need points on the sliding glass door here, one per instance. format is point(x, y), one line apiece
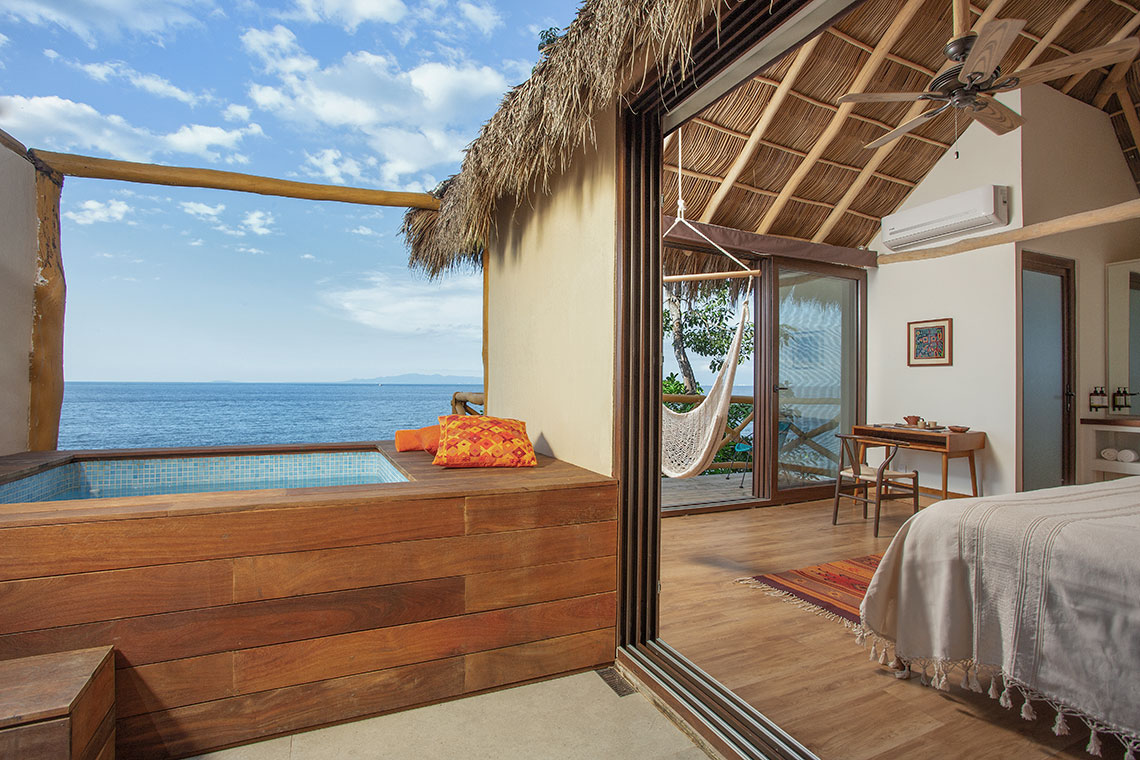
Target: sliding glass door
point(815, 376)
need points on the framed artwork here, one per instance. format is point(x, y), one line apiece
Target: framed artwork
point(930, 343)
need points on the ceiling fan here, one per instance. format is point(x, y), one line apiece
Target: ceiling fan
point(976, 74)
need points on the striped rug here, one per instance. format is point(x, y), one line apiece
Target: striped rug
point(833, 589)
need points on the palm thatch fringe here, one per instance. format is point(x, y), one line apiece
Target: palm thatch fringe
point(545, 120)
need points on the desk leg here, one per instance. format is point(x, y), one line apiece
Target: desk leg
point(973, 475)
point(945, 476)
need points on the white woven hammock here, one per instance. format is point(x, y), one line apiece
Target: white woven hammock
point(690, 440)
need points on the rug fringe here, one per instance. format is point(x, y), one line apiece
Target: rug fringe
point(792, 599)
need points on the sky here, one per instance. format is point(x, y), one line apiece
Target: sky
point(184, 284)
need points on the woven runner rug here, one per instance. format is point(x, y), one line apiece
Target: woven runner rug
point(833, 589)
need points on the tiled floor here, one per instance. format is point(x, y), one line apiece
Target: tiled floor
point(573, 718)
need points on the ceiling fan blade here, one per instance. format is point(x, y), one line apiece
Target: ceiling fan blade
point(993, 42)
point(909, 126)
point(996, 117)
point(880, 97)
point(1078, 63)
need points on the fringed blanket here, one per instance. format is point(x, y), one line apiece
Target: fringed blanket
point(1037, 593)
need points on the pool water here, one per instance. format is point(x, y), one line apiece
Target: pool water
point(108, 478)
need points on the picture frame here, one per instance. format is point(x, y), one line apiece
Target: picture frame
point(930, 343)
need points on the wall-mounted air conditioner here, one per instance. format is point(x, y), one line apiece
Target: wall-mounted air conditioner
point(973, 210)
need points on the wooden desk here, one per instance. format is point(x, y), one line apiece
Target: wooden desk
point(949, 445)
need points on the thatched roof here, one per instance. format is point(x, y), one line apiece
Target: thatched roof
point(794, 183)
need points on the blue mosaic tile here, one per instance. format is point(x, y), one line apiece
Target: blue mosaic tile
point(106, 478)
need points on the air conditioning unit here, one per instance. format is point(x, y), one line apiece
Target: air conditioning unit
point(973, 210)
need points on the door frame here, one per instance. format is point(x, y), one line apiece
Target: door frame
point(1066, 269)
point(730, 725)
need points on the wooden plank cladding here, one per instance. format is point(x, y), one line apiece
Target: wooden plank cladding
point(241, 616)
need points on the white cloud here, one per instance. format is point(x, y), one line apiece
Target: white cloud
point(91, 212)
point(413, 119)
point(151, 83)
point(196, 243)
point(60, 123)
point(203, 210)
point(333, 166)
point(258, 222)
point(362, 230)
point(235, 112)
point(452, 307)
point(3, 40)
point(88, 18)
point(308, 257)
point(240, 159)
point(50, 54)
point(350, 13)
point(253, 251)
point(482, 15)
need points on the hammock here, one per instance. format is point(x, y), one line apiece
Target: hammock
point(690, 440)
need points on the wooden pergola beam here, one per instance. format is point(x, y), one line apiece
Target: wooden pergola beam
point(154, 174)
point(1120, 212)
point(862, 79)
point(881, 153)
point(748, 150)
point(1123, 32)
point(49, 292)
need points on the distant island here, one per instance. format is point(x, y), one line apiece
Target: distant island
point(417, 379)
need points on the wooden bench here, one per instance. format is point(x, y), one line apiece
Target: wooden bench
point(58, 706)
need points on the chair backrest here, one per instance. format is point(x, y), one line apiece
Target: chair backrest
point(851, 451)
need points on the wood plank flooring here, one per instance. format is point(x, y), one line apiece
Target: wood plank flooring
point(806, 672)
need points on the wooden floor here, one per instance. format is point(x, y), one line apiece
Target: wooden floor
point(804, 671)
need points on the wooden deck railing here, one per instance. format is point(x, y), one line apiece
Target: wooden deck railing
point(461, 402)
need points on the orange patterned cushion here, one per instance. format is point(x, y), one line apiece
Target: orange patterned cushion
point(421, 439)
point(480, 441)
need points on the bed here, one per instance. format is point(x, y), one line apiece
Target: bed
point(1033, 597)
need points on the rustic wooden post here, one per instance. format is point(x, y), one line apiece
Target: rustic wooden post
point(45, 366)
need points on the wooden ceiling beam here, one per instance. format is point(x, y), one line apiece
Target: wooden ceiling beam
point(1123, 32)
point(866, 74)
point(796, 152)
point(767, 116)
point(881, 153)
point(866, 48)
point(1067, 15)
point(1129, 113)
point(761, 191)
point(1110, 84)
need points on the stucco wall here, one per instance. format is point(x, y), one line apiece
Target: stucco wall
point(977, 290)
point(550, 312)
point(1072, 162)
point(17, 273)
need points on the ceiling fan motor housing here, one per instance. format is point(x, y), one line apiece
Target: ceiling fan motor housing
point(958, 49)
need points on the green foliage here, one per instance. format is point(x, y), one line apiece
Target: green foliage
point(709, 325)
point(548, 37)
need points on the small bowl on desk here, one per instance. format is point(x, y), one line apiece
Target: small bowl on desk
point(958, 428)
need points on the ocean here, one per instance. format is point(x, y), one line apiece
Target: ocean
point(157, 415)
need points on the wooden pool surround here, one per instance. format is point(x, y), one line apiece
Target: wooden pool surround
point(242, 615)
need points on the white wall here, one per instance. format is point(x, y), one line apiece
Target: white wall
point(1072, 162)
point(976, 290)
point(17, 274)
point(550, 312)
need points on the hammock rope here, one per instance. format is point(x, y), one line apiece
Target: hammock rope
point(690, 440)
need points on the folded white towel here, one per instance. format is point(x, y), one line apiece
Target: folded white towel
point(1109, 454)
point(1126, 455)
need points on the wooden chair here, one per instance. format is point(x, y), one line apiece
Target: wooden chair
point(863, 476)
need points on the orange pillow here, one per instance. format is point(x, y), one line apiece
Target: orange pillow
point(422, 439)
point(481, 441)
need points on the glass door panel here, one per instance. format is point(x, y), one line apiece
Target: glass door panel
point(817, 374)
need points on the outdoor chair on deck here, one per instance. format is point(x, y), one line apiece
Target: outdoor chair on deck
point(888, 483)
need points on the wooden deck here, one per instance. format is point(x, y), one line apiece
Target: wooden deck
point(705, 489)
point(805, 671)
point(249, 614)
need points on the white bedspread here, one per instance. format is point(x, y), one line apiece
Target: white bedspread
point(1040, 587)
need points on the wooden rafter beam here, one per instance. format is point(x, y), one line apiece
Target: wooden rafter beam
point(1129, 113)
point(759, 190)
point(1067, 15)
point(1121, 212)
point(154, 174)
point(866, 48)
point(880, 154)
point(1121, 33)
point(862, 79)
point(748, 150)
point(1111, 83)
